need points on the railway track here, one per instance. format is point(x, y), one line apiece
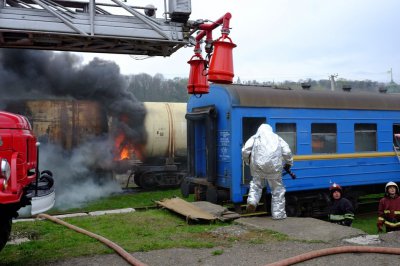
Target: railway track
point(365, 207)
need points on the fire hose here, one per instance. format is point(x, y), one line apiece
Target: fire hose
point(335, 250)
point(124, 254)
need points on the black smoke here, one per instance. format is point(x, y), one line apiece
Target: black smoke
point(32, 74)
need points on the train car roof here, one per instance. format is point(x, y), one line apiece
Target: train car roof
point(267, 96)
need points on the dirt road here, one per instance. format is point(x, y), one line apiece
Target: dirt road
point(239, 253)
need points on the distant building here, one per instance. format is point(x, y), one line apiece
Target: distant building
point(392, 87)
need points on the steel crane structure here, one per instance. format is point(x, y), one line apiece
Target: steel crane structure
point(90, 26)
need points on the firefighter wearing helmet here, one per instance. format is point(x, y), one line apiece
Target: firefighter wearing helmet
point(389, 209)
point(341, 210)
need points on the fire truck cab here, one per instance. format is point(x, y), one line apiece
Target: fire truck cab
point(21, 183)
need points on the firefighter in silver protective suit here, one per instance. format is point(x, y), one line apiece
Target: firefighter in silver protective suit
point(267, 154)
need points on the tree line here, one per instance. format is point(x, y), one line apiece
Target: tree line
point(157, 88)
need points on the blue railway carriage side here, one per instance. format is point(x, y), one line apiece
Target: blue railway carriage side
point(341, 137)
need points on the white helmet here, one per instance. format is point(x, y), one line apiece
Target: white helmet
point(391, 183)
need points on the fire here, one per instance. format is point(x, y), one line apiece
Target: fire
point(125, 150)
point(124, 153)
point(122, 150)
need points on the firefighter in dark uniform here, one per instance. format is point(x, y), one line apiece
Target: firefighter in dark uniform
point(389, 209)
point(341, 211)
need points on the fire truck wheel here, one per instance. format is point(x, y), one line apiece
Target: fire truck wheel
point(46, 182)
point(48, 172)
point(5, 229)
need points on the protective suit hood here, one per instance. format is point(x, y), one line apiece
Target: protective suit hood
point(267, 137)
point(266, 155)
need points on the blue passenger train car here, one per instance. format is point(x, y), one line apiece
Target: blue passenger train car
point(342, 137)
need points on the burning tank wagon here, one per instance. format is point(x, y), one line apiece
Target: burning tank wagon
point(63, 121)
point(159, 161)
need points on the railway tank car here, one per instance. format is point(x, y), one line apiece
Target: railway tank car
point(341, 137)
point(68, 122)
point(65, 122)
point(163, 162)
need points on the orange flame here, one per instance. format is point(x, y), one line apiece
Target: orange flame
point(121, 151)
point(124, 153)
point(127, 151)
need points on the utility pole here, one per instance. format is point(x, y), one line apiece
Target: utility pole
point(333, 83)
point(391, 75)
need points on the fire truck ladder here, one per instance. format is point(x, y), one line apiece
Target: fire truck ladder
point(67, 25)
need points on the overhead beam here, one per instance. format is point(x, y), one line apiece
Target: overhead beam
point(63, 25)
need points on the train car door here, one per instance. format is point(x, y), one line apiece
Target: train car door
point(249, 128)
point(201, 124)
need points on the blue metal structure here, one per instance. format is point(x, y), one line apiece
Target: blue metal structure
point(341, 137)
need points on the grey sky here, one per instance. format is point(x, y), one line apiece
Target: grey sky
point(292, 40)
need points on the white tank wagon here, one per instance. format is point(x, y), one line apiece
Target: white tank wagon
point(157, 163)
point(163, 162)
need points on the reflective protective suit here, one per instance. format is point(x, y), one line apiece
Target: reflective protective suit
point(341, 212)
point(389, 213)
point(267, 153)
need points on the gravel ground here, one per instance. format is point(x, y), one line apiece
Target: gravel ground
point(248, 254)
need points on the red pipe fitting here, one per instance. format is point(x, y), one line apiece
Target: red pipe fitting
point(207, 28)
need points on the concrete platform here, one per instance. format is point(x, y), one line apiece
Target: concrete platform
point(308, 229)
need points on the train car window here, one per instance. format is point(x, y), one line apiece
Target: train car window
point(288, 132)
point(396, 131)
point(250, 126)
point(323, 138)
point(365, 137)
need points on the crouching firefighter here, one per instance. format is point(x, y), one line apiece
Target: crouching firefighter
point(341, 210)
point(389, 209)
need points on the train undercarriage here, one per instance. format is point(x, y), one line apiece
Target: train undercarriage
point(157, 177)
point(298, 204)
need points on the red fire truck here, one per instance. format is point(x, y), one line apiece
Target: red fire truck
point(21, 183)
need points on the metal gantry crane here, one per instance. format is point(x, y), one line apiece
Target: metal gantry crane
point(90, 26)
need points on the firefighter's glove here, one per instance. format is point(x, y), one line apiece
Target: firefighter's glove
point(380, 227)
point(292, 175)
point(287, 169)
